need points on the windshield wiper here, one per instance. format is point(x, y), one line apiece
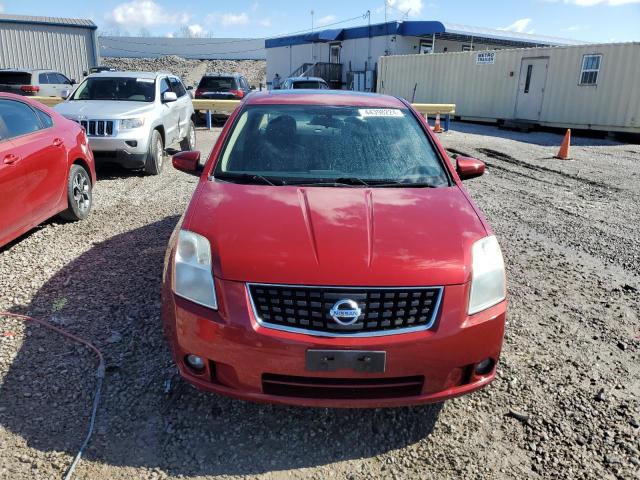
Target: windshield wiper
point(402, 183)
point(331, 182)
point(246, 178)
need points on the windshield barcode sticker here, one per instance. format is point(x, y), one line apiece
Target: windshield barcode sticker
point(380, 112)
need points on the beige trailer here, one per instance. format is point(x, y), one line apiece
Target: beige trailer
point(585, 87)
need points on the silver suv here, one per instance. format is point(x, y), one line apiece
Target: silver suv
point(131, 117)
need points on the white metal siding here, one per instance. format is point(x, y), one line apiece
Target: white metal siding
point(490, 91)
point(69, 50)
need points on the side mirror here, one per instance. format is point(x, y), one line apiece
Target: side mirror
point(469, 167)
point(253, 87)
point(188, 162)
point(190, 87)
point(85, 73)
point(168, 97)
point(65, 94)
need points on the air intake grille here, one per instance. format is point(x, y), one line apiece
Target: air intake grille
point(384, 311)
point(97, 128)
point(341, 388)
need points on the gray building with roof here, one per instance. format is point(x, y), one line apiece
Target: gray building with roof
point(66, 45)
point(348, 57)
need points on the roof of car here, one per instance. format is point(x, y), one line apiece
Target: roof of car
point(152, 75)
point(27, 70)
point(323, 97)
point(306, 79)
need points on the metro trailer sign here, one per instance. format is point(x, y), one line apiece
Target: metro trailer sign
point(485, 58)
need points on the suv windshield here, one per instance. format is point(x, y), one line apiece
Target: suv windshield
point(218, 84)
point(128, 89)
point(327, 145)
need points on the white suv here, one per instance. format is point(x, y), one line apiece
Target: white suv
point(131, 117)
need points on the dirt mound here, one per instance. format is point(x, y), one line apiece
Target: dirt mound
point(192, 70)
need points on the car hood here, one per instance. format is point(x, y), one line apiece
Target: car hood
point(102, 109)
point(336, 236)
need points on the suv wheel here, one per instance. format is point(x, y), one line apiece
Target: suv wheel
point(189, 142)
point(155, 155)
point(79, 195)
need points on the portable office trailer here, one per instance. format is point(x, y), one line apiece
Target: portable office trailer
point(66, 45)
point(357, 49)
point(586, 86)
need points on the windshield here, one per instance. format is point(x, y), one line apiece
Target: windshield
point(218, 84)
point(127, 89)
point(326, 145)
point(308, 84)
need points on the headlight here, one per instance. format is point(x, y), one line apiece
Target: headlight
point(488, 285)
point(129, 123)
point(193, 277)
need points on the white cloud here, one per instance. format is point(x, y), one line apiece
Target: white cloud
point(326, 20)
point(195, 30)
point(144, 13)
point(1, 8)
point(234, 19)
point(412, 7)
point(265, 22)
point(518, 26)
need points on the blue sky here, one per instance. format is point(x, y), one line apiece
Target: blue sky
point(590, 20)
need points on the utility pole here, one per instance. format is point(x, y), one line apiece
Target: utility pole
point(313, 59)
point(369, 35)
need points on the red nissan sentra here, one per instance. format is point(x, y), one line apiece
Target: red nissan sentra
point(331, 257)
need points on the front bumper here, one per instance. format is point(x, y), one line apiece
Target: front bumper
point(119, 150)
point(242, 354)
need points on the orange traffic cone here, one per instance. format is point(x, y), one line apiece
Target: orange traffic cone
point(436, 127)
point(563, 153)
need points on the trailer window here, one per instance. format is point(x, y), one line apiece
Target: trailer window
point(590, 69)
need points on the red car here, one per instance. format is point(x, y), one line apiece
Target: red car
point(46, 167)
point(330, 256)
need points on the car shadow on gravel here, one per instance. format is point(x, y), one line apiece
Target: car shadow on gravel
point(111, 171)
point(147, 417)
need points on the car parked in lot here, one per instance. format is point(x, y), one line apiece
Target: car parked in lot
point(222, 86)
point(314, 83)
point(46, 167)
point(131, 117)
point(330, 256)
point(44, 83)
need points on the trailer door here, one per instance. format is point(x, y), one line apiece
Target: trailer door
point(533, 78)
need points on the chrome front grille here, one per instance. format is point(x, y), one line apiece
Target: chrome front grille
point(307, 309)
point(98, 128)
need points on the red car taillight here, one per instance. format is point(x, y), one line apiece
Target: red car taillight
point(237, 93)
point(30, 88)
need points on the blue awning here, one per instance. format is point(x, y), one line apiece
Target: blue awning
point(420, 29)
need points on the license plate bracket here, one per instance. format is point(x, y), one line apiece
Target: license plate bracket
point(363, 361)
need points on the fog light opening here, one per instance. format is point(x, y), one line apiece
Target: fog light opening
point(195, 363)
point(132, 143)
point(484, 367)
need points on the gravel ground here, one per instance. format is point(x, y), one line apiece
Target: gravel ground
point(565, 403)
point(191, 71)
